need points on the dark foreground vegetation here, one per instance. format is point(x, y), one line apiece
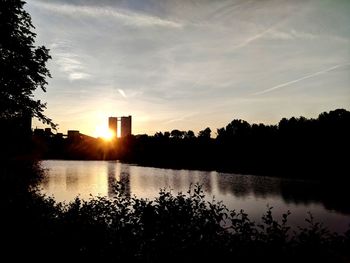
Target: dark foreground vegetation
point(295, 147)
point(173, 227)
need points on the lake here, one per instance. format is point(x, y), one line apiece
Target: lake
point(66, 180)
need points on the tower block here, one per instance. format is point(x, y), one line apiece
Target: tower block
point(124, 122)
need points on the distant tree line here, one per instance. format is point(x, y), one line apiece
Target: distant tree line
point(297, 147)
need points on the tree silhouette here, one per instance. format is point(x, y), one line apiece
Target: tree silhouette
point(234, 128)
point(22, 64)
point(176, 134)
point(189, 135)
point(204, 134)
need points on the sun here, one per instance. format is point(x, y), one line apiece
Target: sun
point(104, 133)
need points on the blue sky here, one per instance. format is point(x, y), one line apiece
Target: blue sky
point(192, 64)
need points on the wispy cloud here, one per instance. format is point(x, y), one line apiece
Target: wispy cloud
point(182, 118)
point(78, 75)
point(289, 34)
point(69, 63)
point(127, 17)
point(301, 79)
point(253, 38)
point(121, 92)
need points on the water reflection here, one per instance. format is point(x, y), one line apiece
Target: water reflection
point(67, 179)
point(118, 173)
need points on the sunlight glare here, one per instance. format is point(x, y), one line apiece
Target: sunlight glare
point(104, 133)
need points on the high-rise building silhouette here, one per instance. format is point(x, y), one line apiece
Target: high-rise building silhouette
point(113, 124)
point(125, 125)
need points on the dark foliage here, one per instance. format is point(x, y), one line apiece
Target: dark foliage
point(22, 64)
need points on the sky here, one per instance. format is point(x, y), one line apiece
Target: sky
point(188, 65)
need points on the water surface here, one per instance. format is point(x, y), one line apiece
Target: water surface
point(66, 180)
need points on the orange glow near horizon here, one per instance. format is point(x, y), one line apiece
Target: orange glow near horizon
point(104, 133)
